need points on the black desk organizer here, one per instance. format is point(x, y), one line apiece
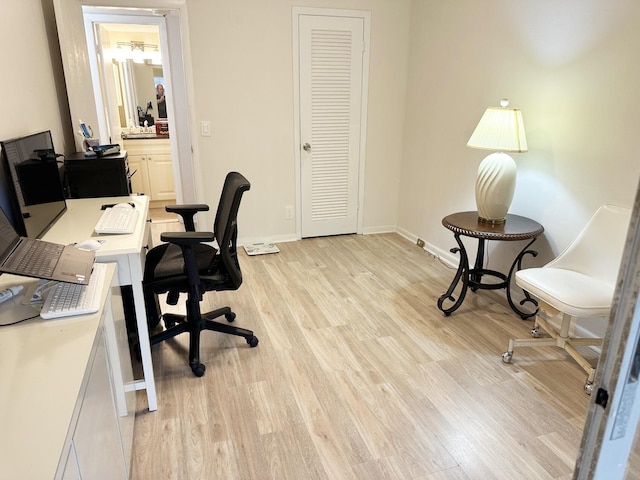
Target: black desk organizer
point(90, 177)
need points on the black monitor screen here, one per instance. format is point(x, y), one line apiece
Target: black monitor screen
point(33, 174)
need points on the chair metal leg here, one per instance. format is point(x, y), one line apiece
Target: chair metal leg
point(557, 338)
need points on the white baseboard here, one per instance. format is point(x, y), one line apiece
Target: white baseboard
point(380, 229)
point(274, 239)
point(448, 258)
point(406, 234)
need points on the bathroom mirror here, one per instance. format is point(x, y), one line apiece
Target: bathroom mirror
point(135, 56)
point(141, 90)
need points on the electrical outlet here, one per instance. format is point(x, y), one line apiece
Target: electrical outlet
point(420, 243)
point(288, 212)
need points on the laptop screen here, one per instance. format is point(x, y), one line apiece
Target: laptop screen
point(35, 178)
point(8, 236)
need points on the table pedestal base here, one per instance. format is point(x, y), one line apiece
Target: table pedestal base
point(472, 278)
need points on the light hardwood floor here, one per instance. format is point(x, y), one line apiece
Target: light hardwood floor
point(358, 375)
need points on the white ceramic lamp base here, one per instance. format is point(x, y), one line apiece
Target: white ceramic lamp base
point(495, 186)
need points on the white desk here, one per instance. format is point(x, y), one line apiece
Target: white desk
point(64, 406)
point(128, 251)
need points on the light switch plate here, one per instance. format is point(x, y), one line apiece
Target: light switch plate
point(205, 128)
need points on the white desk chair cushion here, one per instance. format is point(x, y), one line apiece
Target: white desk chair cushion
point(568, 291)
point(580, 282)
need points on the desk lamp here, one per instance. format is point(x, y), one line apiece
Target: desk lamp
point(499, 129)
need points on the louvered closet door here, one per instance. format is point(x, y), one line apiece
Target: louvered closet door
point(330, 104)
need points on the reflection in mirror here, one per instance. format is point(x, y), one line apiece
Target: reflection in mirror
point(144, 82)
point(135, 55)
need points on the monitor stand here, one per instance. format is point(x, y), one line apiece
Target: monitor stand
point(18, 308)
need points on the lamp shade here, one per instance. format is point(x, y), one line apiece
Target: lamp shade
point(500, 129)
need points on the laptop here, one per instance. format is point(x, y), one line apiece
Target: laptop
point(40, 259)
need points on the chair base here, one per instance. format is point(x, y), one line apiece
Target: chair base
point(557, 338)
point(178, 324)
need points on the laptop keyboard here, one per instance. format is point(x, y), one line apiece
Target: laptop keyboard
point(117, 220)
point(67, 299)
point(36, 258)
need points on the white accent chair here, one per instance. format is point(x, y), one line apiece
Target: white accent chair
point(580, 282)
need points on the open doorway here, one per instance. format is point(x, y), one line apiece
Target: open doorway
point(135, 91)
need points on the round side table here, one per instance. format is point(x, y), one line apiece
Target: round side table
point(468, 224)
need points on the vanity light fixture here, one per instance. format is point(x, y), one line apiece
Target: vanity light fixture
point(137, 51)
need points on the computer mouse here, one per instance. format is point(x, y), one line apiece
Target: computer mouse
point(89, 244)
point(123, 205)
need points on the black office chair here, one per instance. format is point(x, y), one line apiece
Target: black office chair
point(186, 264)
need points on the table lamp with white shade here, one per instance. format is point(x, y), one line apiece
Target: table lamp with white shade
point(499, 129)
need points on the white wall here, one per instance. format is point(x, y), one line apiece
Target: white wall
point(573, 69)
point(28, 90)
point(243, 79)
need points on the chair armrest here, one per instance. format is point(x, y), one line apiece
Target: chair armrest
point(187, 212)
point(187, 238)
point(186, 242)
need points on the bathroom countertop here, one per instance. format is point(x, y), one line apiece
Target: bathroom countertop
point(142, 136)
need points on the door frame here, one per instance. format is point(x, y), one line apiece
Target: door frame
point(81, 86)
point(329, 12)
point(614, 411)
point(99, 16)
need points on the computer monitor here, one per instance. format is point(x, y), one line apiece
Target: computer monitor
point(33, 179)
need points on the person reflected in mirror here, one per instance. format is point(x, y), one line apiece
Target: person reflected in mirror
point(160, 99)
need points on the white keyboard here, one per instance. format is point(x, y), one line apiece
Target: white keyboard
point(67, 299)
point(117, 220)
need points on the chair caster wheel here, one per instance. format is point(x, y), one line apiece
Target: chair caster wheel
point(230, 317)
point(588, 387)
point(535, 332)
point(507, 356)
point(198, 369)
point(252, 341)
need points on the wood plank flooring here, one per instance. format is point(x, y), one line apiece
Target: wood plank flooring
point(358, 375)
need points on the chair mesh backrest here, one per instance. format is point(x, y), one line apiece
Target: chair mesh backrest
point(225, 227)
point(597, 251)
